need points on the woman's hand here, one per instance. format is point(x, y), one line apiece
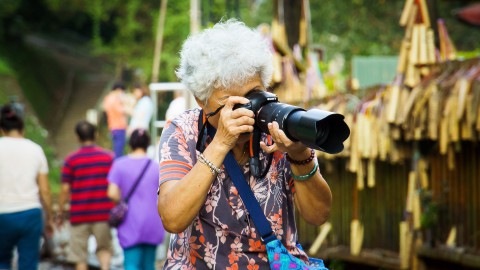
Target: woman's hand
point(284, 144)
point(232, 123)
point(312, 197)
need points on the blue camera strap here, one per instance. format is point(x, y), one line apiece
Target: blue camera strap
point(251, 203)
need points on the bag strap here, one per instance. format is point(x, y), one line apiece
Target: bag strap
point(251, 203)
point(138, 180)
point(236, 175)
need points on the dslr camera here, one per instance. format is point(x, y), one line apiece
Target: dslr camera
point(322, 130)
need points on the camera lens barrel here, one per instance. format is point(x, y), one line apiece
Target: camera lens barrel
point(322, 130)
point(278, 112)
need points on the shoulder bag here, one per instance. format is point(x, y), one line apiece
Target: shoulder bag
point(118, 213)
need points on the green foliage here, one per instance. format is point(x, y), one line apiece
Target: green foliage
point(337, 265)
point(361, 27)
point(29, 67)
point(35, 132)
point(8, 7)
point(4, 67)
point(469, 54)
point(357, 27)
point(124, 31)
point(430, 213)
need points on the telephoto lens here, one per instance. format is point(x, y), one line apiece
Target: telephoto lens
point(322, 130)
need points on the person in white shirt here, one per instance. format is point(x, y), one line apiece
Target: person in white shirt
point(23, 189)
point(143, 110)
point(177, 105)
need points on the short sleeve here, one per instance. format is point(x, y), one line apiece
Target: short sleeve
point(114, 174)
point(43, 163)
point(67, 172)
point(175, 158)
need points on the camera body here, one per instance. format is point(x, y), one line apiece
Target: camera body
point(318, 129)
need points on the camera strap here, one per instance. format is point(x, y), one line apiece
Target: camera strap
point(202, 127)
point(256, 168)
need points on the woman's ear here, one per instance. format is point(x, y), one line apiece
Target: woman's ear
point(200, 103)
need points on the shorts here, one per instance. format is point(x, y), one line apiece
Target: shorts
point(79, 240)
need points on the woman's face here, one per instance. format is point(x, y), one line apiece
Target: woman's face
point(138, 93)
point(220, 96)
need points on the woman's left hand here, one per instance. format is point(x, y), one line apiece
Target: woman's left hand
point(282, 142)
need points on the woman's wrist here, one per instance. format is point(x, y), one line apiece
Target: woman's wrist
point(306, 176)
point(213, 169)
point(301, 157)
point(219, 147)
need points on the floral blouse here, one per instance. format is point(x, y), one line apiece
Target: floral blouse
point(222, 235)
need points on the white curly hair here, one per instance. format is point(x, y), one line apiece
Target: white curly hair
point(228, 54)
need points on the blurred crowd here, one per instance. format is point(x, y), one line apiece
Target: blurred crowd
point(93, 181)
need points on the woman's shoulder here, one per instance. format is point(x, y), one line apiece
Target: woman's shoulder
point(145, 100)
point(128, 159)
point(187, 119)
point(31, 144)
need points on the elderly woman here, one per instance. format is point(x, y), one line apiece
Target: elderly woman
point(197, 200)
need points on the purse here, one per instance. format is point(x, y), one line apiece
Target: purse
point(278, 256)
point(118, 213)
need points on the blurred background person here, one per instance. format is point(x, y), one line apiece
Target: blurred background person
point(142, 111)
point(142, 229)
point(23, 189)
point(177, 105)
point(116, 109)
point(84, 180)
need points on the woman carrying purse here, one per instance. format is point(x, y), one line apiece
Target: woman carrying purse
point(141, 230)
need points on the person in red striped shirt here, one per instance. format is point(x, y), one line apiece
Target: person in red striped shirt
point(84, 180)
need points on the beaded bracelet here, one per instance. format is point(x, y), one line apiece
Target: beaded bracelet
point(213, 168)
point(306, 176)
point(301, 162)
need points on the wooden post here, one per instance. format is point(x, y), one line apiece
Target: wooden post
point(159, 41)
point(194, 16)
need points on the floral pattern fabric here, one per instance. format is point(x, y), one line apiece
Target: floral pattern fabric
point(222, 235)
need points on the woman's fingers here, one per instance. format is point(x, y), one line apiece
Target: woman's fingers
point(268, 148)
point(278, 135)
point(244, 120)
point(233, 123)
point(242, 112)
point(232, 100)
point(281, 140)
point(243, 124)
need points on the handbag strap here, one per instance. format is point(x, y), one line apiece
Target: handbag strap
point(138, 180)
point(251, 203)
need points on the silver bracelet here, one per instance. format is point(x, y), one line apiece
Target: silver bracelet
point(213, 168)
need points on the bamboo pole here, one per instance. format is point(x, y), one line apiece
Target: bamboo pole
point(194, 16)
point(159, 40)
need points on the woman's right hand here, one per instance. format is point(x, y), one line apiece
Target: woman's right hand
point(233, 123)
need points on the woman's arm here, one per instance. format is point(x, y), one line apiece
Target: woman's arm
point(313, 197)
point(179, 202)
point(114, 192)
point(63, 199)
point(45, 196)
